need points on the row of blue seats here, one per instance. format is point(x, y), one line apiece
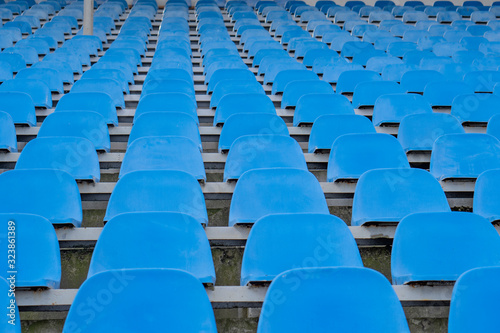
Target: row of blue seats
point(276, 243)
point(313, 302)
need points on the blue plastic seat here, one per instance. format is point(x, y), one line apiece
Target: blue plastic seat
point(90, 101)
point(395, 189)
point(50, 77)
point(464, 155)
point(155, 86)
point(391, 109)
point(473, 301)
point(38, 261)
point(83, 124)
point(261, 192)
point(73, 62)
point(348, 80)
point(108, 86)
point(333, 70)
point(399, 49)
point(394, 72)
point(377, 64)
point(184, 306)
point(475, 108)
point(235, 103)
point(165, 124)
point(8, 138)
point(482, 17)
point(40, 45)
point(180, 234)
point(167, 102)
point(251, 152)
point(280, 242)
point(367, 93)
point(106, 73)
point(494, 126)
point(442, 93)
point(286, 76)
point(482, 81)
point(327, 128)
point(418, 132)
point(241, 124)
point(362, 58)
point(52, 194)
point(325, 298)
point(442, 246)
point(74, 155)
point(416, 80)
point(15, 60)
point(19, 106)
point(296, 89)
point(486, 195)
point(353, 154)
point(63, 68)
point(226, 87)
point(311, 106)
point(352, 48)
point(37, 90)
point(164, 153)
point(158, 191)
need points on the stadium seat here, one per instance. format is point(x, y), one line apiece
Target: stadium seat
point(19, 106)
point(442, 93)
point(493, 127)
point(115, 74)
point(482, 81)
point(475, 108)
point(259, 151)
point(473, 301)
point(296, 89)
point(37, 90)
point(391, 109)
point(324, 299)
point(261, 192)
point(353, 154)
point(333, 70)
point(50, 77)
point(311, 106)
point(76, 156)
point(8, 138)
point(158, 191)
point(439, 247)
point(464, 155)
point(171, 236)
point(227, 87)
point(280, 242)
point(52, 194)
point(348, 80)
point(98, 102)
point(416, 80)
point(367, 93)
point(167, 102)
point(83, 124)
point(284, 77)
point(109, 86)
point(237, 103)
point(40, 45)
point(327, 128)
point(164, 153)
point(64, 69)
point(165, 124)
point(395, 189)
point(486, 195)
point(183, 306)
point(73, 62)
point(417, 132)
point(241, 124)
point(227, 74)
point(37, 254)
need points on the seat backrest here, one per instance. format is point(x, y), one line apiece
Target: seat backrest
point(250, 152)
point(325, 298)
point(383, 196)
point(89, 101)
point(184, 306)
point(280, 242)
point(442, 246)
point(74, 155)
point(164, 153)
point(242, 102)
point(464, 155)
point(393, 108)
point(158, 191)
point(38, 261)
point(262, 192)
point(353, 154)
point(184, 245)
point(52, 194)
